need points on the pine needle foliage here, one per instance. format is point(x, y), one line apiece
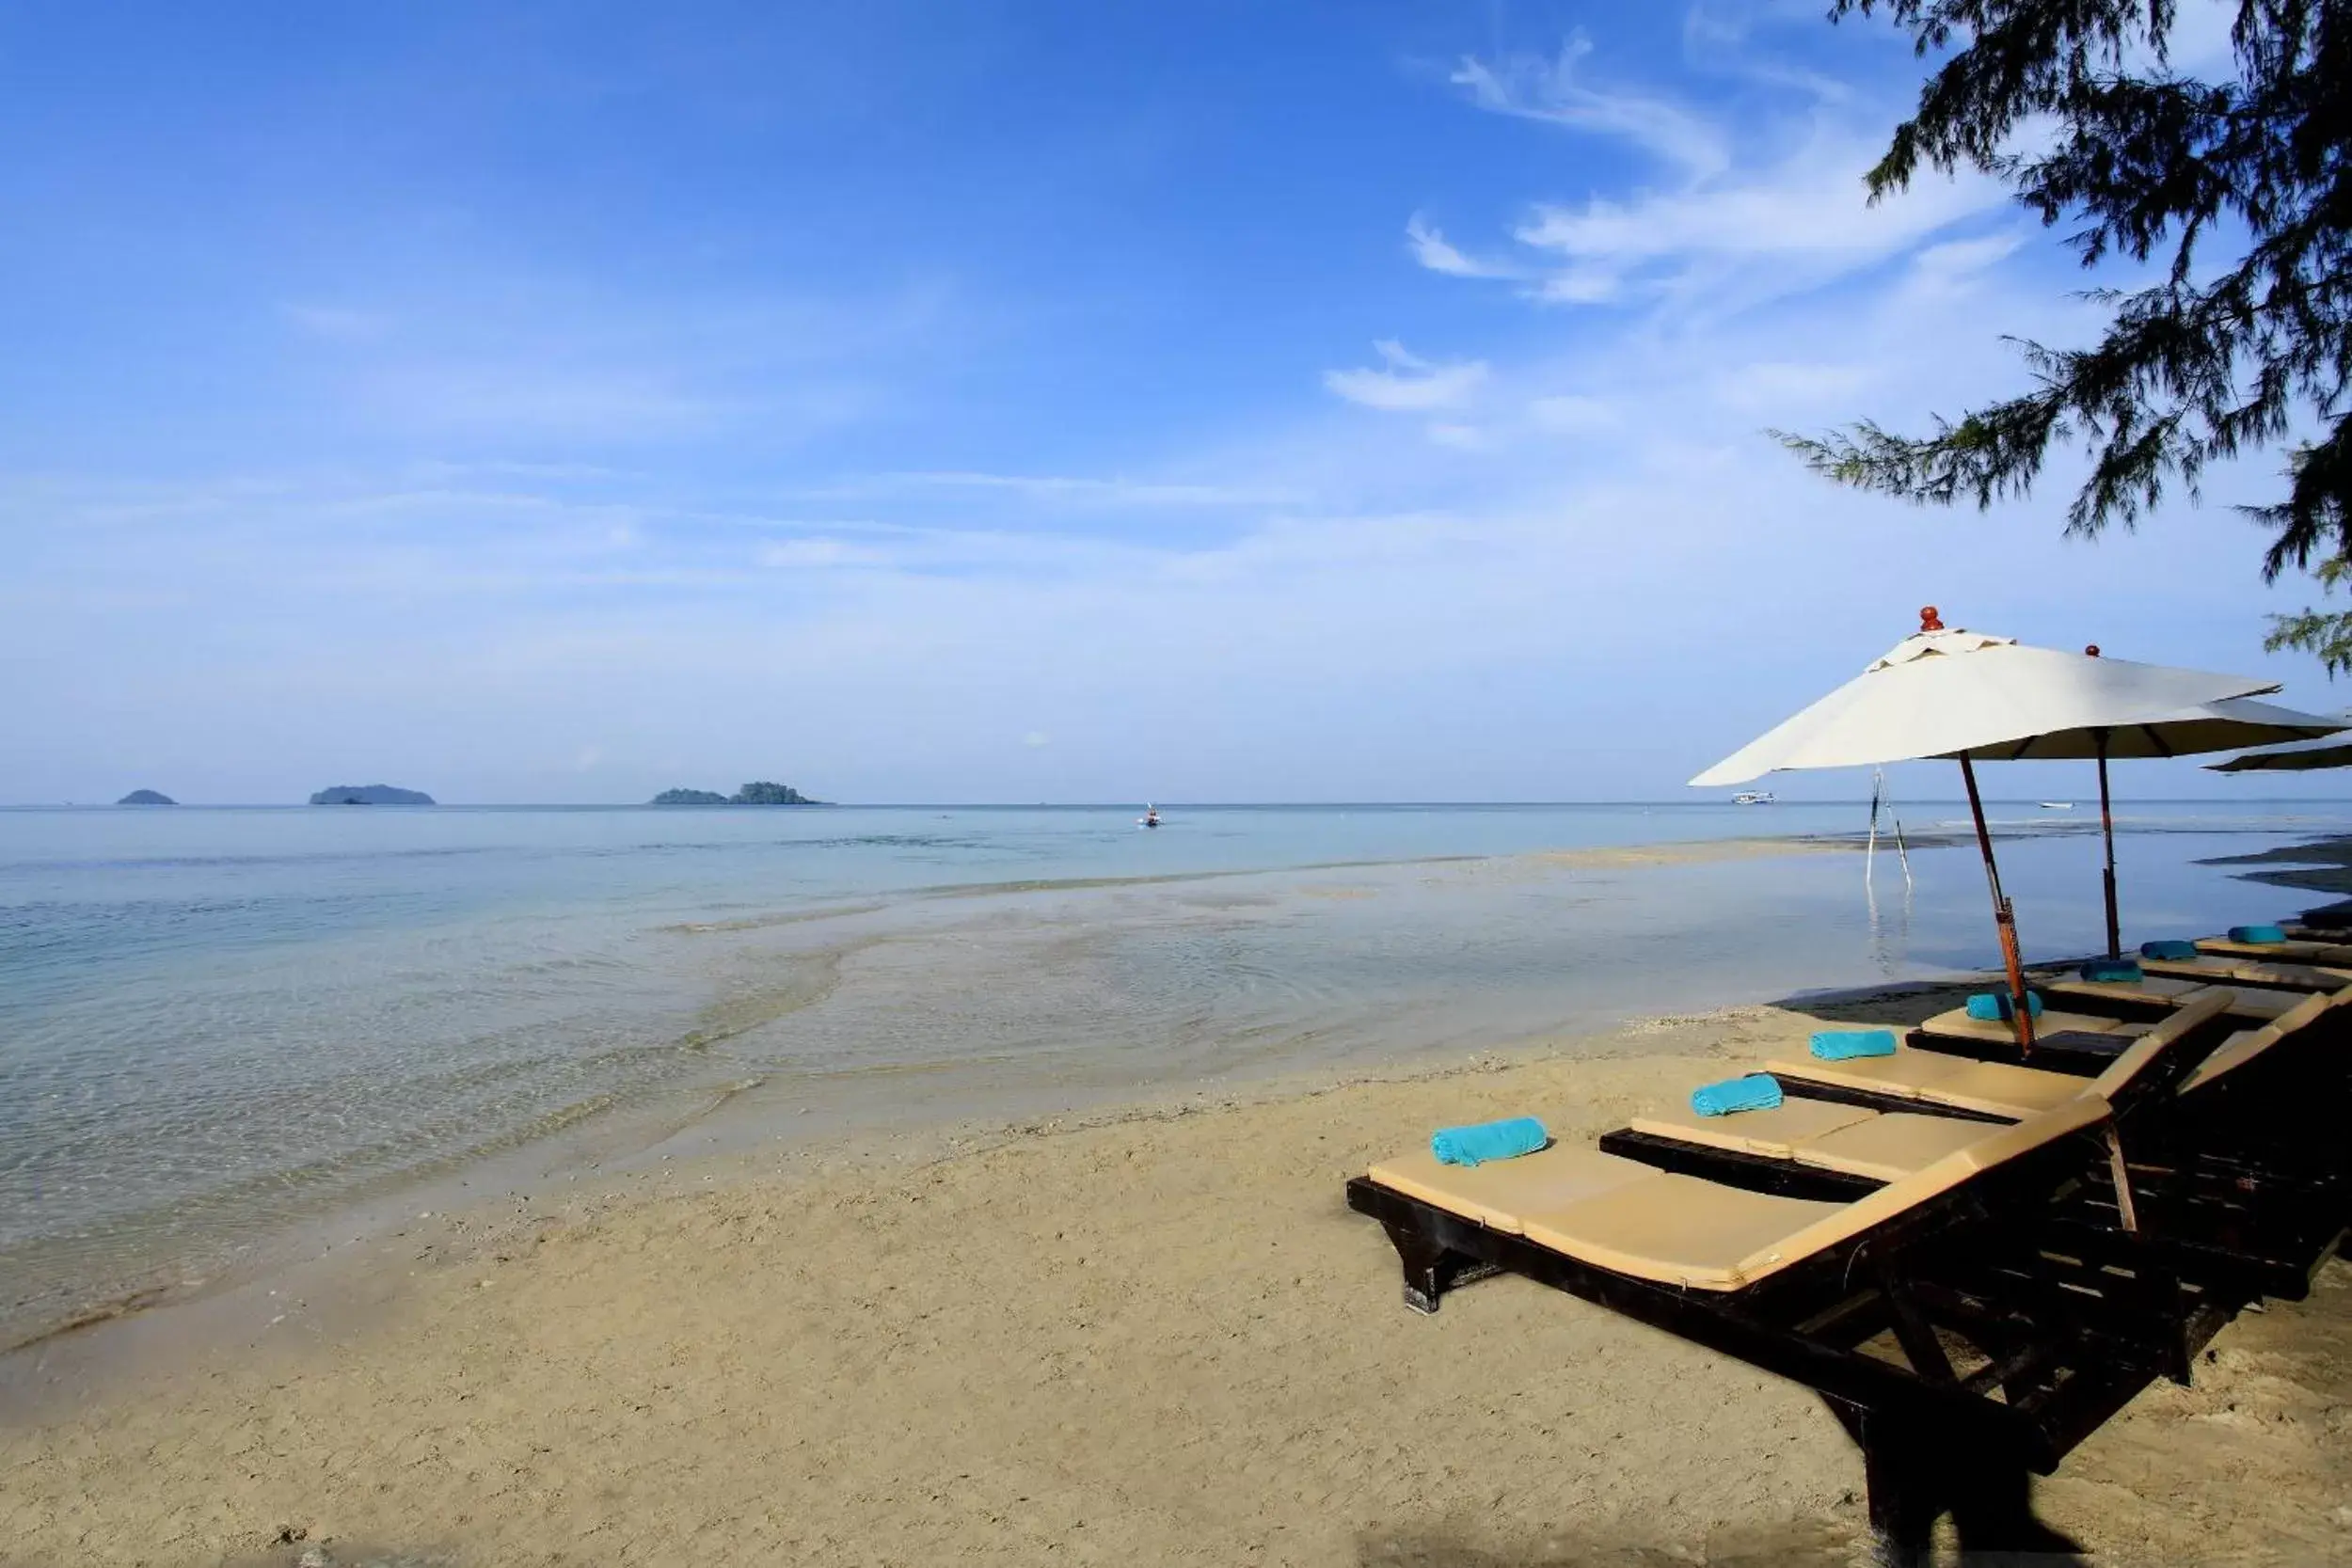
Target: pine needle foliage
point(2237, 193)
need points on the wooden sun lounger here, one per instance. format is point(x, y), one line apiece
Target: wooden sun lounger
point(1959, 1355)
point(2225, 970)
point(2293, 950)
point(2152, 998)
point(2236, 1221)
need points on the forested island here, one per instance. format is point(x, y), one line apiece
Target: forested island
point(370, 795)
point(758, 793)
point(147, 797)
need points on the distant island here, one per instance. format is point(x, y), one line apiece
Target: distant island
point(758, 793)
point(370, 795)
point(147, 797)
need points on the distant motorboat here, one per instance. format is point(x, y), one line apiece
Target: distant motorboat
point(1753, 797)
point(2057, 805)
point(1151, 818)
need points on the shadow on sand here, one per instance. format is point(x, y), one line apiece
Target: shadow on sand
point(1832, 1542)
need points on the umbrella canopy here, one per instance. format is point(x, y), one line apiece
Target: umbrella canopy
point(2294, 759)
point(1963, 695)
point(1953, 695)
point(2221, 726)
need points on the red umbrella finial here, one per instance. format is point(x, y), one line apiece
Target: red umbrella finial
point(2092, 650)
point(1929, 620)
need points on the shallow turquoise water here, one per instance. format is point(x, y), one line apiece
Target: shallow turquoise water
point(216, 1023)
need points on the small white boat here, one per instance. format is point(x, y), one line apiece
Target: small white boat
point(1151, 818)
point(1753, 797)
point(2057, 805)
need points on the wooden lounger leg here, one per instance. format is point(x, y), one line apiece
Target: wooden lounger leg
point(1431, 1267)
point(1918, 1475)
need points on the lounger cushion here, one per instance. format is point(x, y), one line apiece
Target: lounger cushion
point(2252, 971)
point(1499, 1191)
point(1890, 1147)
point(2005, 1089)
point(1906, 1072)
point(2155, 988)
point(1679, 1230)
point(1773, 1132)
point(1958, 1025)
point(2246, 1044)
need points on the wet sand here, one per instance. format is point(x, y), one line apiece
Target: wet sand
point(1151, 1337)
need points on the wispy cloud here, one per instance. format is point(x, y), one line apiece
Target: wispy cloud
point(1407, 383)
point(1546, 89)
point(1431, 248)
point(1112, 490)
point(1751, 210)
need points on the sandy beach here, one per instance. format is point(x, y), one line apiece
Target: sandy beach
point(1157, 1335)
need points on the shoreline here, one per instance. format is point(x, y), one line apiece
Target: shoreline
point(1056, 1336)
point(577, 1142)
point(756, 1109)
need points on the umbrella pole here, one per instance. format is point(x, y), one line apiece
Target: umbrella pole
point(2004, 918)
point(2106, 830)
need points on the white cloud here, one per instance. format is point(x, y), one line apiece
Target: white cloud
point(1432, 250)
point(1754, 206)
point(1115, 490)
point(1531, 87)
point(1408, 382)
point(1801, 221)
point(1037, 739)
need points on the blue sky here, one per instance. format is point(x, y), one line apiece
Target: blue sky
point(997, 401)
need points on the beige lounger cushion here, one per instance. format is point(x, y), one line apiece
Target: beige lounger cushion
point(1890, 1147)
point(2156, 988)
point(1958, 1025)
point(2252, 972)
point(1679, 1230)
point(1498, 1192)
point(2307, 952)
point(1906, 1072)
point(2246, 1044)
point(1995, 1088)
point(2005, 1089)
point(1773, 1133)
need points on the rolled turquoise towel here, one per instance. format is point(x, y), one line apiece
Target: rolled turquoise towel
point(1844, 1045)
point(1489, 1140)
point(2257, 935)
point(2167, 949)
point(1994, 1007)
point(2126, 970)
point(1757, 1091)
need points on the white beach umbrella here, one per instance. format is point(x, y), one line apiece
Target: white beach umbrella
point(1963, 695)
point(2291, 759)
point(2222, 726)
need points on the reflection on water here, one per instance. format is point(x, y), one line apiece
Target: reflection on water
point(216, 1023)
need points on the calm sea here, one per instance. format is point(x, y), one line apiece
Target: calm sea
point(216, 1025)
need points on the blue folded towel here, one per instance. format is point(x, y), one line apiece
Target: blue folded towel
point(1843, 1045)
point(2167, 949)
point(1757, 1091)
point(2262, 935)
point(1993, 1005)
point(1489, 1140)
point(2114, 969)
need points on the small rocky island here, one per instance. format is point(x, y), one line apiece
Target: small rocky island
point(757, 793)
point(370, 795)
point(147, 797)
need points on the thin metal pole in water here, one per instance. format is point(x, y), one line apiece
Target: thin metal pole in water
point(2004, 918)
